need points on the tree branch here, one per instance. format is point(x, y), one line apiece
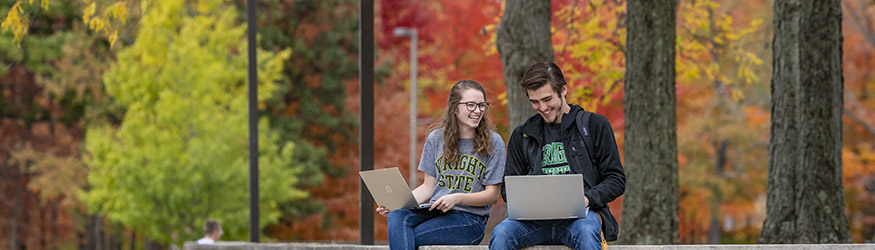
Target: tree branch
point(863, 25)
point(856, 118)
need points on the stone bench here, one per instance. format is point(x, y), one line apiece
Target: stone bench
point(318, 246)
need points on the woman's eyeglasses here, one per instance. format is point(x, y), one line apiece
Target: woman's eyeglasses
point(471, 106)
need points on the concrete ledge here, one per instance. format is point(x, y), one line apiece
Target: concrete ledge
point(280, 246)
point(316, 246)
point(687, 247)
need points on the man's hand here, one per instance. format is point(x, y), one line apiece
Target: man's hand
point(446, 202)
point(383, 211)
point(587, 200)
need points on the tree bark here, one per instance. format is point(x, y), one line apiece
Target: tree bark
point(133, 242)
point(716, 204)
point(805, 195)
point(650, 206)
point(523, 39)
point(16, 208)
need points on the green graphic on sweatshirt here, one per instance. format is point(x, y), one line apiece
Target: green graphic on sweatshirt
point(553, 161)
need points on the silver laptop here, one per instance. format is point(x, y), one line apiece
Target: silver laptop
point(545, 197)
point(389, 189)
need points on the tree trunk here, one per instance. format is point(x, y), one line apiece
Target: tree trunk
point(133, 242)
point(153, 245)
point(805, 197)
point(716, 229)
point(16, 208)
point(650, 206)
point(523, 39)
point(95, 232)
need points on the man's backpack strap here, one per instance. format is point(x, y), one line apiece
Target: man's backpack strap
point(583, 128)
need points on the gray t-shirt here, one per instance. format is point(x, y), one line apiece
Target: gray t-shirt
point(473, 173)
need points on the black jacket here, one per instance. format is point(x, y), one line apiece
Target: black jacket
point(604, 180)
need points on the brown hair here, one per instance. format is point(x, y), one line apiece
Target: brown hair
point(543, 73)
point(448, 121)
point(211, 226)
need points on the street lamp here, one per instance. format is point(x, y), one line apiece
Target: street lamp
point(411, 32)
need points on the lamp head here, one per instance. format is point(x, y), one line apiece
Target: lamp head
point(402, 31)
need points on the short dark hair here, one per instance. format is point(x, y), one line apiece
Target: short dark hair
point(543, 73)
point(211, 226)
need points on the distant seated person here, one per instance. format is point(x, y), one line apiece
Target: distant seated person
point(212, 232)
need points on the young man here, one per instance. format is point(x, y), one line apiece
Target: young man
point(213, 232)
point(548, 143)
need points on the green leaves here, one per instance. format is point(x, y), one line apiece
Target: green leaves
point(180, 155)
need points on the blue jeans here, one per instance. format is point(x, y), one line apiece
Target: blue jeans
point(583, 233)
point(409, 229)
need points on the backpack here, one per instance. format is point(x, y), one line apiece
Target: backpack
point(583, 128)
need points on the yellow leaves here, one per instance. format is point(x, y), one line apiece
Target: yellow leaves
point(593, 52)
point(88, 12)
point(117, 11)
point(724, 79)
point(756, 23)
point(745, 69)
point(712, 70)
point(711, 4)
point(489, 46)
point(725, 23)
point(687, 73)
point(754, 27)
point(711, 46)
point(718, 40)
point(15, 22)
point(113, 38)
point(737, 95)
point(208, 6)
point(702, 24)
point(98, 23)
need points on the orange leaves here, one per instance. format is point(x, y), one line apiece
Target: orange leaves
point(449, 49)
point(589, 39)
point(858, 153)
point(757, 117)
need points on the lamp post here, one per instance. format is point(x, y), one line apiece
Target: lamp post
point(411, 32)
point(366, 117)
point(253, 121)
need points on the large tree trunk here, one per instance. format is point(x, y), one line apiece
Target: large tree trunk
point(650, 206)
point(805, 200)
point(523, 39)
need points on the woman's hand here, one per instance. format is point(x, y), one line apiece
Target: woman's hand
point(446, 202)
point(383, 211)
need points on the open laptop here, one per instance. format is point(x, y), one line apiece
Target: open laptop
point(389, 189)
point(545, 197)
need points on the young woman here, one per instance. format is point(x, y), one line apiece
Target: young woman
point(463, 161)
